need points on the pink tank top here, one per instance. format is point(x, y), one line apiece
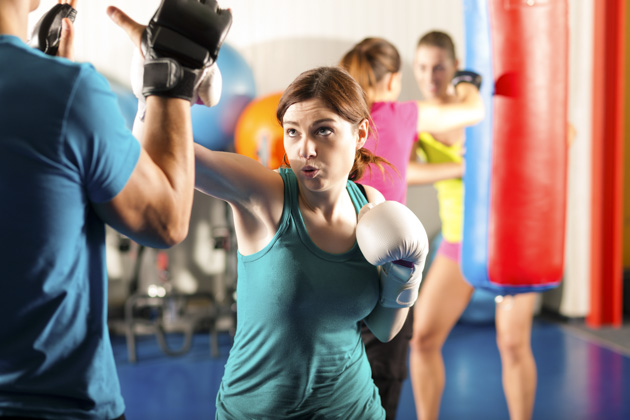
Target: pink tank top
point(396, 126)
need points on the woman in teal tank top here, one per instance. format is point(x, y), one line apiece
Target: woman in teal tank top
point(304, 287)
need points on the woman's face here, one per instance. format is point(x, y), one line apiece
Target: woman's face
point(320, 145)
point(433, 69)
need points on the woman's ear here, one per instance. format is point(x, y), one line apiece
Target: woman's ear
point(363, 131)
point(393, 80)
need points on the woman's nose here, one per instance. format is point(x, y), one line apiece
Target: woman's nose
point(307, 148)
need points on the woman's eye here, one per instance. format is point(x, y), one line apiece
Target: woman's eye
point(290, 132)
point(323, 131)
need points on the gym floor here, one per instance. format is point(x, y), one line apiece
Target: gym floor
point(582, 375)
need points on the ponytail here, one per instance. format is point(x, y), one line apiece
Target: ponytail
point(362, 161)
point(358, 65)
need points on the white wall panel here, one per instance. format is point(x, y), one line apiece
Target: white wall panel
point(572, 299)
point(281, 38)
point(268, 33)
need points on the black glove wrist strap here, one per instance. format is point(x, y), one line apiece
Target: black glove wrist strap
point(166, 77)
point(465, 76)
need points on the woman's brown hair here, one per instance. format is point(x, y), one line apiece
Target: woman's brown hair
point(336, 88)
point(438, 39)
point(369, 61)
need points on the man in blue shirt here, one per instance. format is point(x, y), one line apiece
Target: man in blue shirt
point(68, 166)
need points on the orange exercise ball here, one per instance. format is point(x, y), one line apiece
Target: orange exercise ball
point(258, 133)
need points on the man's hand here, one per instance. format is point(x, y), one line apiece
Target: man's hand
point(53, 33)
point(66, 41)
point(179, 45)
point(133, 29)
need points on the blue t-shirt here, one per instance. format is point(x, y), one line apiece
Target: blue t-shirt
point(298, 352)
point(63, 146)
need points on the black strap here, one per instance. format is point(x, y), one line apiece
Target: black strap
point(362, 188)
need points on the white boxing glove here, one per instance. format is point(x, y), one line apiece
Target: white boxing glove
point(137, 75)
point(207, 92)
point(391, 236)
point(208, 89)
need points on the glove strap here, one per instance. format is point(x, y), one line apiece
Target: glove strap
point(166, 77)
point(466, 76)
point(399, 285)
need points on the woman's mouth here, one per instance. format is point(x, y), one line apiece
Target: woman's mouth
point(432, 88)
point(310, 171)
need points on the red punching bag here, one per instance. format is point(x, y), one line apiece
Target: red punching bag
point(526, 199)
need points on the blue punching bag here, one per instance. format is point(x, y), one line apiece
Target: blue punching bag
point(478, 145)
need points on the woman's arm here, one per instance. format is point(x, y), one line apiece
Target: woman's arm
point(466, 110)
point(391, 237)
point(373, 195)
point(385, 323)
point(231, 177)
point(428, 173)
point(255, 194)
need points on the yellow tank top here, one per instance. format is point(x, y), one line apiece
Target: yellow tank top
point(450, 192)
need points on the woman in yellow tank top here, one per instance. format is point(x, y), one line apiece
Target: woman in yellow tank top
point(445, 293)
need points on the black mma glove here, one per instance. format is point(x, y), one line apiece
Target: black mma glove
point(47, 31)
point(182, 38)
point(466, 76)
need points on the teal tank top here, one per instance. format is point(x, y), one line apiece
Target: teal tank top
point(298, 352)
